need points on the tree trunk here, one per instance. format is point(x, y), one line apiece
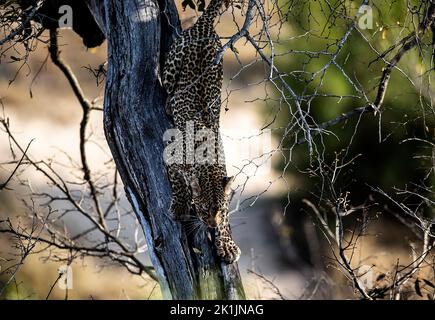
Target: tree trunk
point(138, 34)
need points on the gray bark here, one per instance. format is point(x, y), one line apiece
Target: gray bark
point(138, 34)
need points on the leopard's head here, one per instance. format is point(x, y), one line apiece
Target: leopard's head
point(210, 197)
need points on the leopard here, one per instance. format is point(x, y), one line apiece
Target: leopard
point(193, 76)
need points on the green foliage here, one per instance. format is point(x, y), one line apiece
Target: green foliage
point(331, 84)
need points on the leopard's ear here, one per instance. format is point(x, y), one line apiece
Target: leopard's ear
point(226, 183)
point(196, 188)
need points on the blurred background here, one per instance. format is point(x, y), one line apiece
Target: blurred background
point(285, 254)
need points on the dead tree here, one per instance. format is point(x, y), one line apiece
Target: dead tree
point(296, 73)
point(138, 34)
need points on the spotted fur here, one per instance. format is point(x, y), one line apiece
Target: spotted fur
point(193, 82)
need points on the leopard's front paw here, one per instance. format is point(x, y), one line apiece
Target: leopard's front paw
point(228, 251)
